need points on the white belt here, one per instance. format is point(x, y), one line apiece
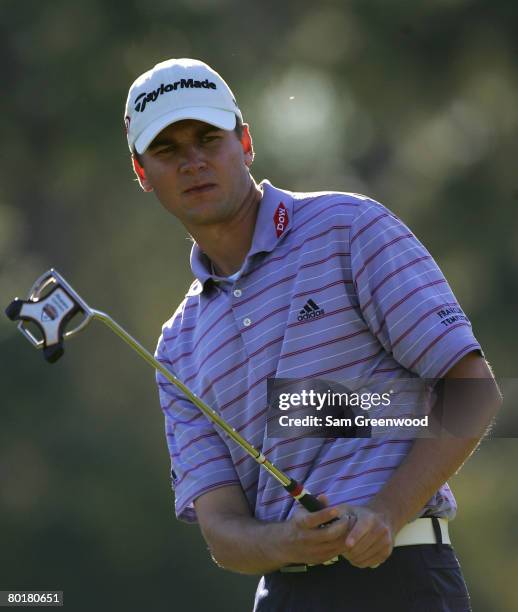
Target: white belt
point(419, 531)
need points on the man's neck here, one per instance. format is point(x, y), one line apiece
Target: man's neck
point(228, 244)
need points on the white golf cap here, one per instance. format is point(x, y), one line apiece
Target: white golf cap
point(174, 90)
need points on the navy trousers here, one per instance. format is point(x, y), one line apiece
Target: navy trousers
point(419, 578)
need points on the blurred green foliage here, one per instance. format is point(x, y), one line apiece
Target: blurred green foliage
point(413, 103)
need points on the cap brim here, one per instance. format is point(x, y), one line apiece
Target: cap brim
point(223, 119)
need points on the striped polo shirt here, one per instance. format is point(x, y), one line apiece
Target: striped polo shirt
point(382, 308)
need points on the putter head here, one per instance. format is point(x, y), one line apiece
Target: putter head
point(50, 306)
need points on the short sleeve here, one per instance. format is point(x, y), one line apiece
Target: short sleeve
point(404, 297)
point(200, 459)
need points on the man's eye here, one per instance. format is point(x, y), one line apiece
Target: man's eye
point(165, 150)
point(211, 138)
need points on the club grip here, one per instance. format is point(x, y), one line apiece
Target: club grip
point(311, 503)
point(305, 499)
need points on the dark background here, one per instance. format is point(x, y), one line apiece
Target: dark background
point(413, 103)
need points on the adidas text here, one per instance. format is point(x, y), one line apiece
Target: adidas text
point(311, 310)
point(311, 315)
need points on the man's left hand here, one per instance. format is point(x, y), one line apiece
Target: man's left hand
point(371, 540)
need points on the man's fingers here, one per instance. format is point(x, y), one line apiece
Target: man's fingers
point(310, 520)
point(374, 555)
point(372, 544)
point(372, 560)
point(336, 530)
point(361, 527)
point(374, 536)
point(323, 498)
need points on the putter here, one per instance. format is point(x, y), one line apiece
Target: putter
point(52, 304)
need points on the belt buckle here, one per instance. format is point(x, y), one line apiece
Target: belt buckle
point(293, 569)
point(331, 561)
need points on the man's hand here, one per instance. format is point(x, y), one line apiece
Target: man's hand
point(371, 539)
point(311, 538)
point(362, 535)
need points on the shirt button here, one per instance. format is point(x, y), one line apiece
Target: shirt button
point(247, 322)
point(237, 292)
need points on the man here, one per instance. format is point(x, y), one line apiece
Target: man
point(262, 257)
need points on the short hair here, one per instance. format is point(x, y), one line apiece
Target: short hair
point(238, 130)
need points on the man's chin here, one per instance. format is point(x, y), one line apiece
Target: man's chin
point(206, 213)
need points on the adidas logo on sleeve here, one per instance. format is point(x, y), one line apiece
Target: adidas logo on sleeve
point(311, 310)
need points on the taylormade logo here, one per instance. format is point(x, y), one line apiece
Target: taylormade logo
point(142, 99)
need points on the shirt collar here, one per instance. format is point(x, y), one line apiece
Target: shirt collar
point(273, 223)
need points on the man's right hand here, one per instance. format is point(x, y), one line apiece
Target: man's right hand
point(315, 537)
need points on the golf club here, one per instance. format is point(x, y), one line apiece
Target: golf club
point(50, 307)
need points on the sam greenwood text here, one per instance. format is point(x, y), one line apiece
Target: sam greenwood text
point(360, 421)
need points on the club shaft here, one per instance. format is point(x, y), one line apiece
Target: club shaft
point(211, 414)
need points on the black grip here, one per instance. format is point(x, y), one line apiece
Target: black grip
point(311, 503)
point(308, 501)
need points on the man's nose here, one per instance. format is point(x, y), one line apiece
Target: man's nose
point(193, 160)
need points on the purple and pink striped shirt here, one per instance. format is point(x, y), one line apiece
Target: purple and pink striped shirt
point(380, 296)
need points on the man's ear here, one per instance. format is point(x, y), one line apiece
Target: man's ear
point(247, 144)
point(141, 175)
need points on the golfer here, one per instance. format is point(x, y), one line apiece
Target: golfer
point(327, 285)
